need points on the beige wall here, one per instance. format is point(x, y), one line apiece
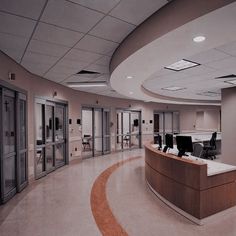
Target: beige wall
point(229, 125)
point(36, 86)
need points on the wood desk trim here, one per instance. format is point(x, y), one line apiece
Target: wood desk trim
point(185, 183)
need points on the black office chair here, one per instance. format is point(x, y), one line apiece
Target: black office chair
point(210, 150)
point(86, 142)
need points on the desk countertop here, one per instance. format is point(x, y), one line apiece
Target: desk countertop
point(213, 167)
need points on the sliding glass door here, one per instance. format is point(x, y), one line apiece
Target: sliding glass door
point(50, 136)
point(95, 131)
point(13, 155)
point(166, 122)
point(128, 133)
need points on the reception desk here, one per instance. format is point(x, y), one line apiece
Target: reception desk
point(195, 187)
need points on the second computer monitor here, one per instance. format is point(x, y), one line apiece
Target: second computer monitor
point(184, 144)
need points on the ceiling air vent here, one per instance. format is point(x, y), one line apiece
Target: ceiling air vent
point(226, 77)
point(88, 74)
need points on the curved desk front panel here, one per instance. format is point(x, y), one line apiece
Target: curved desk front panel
point(185, 183)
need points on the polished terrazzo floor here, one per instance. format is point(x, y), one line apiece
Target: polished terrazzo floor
point(60, 204)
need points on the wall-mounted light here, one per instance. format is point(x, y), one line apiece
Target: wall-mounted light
point(11, 76)
point(54, 94)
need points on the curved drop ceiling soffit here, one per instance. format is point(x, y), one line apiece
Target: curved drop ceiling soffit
point(138, 65)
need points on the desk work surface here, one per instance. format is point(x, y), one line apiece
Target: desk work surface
point(201, 136)
point(213, 167)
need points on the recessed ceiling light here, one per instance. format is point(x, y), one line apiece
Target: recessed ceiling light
point(129, 77)
point(131, 92)
point(233, 81)
point(173, 88)
point(86, 85)
point(199, 39)
point(182, 65)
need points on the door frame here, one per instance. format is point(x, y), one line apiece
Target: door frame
point(130, 111)
point(103, 109)
point(18, 95)
point(50, 101)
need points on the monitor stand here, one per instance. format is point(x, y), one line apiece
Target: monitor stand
point(165, 148)
point(181, 153)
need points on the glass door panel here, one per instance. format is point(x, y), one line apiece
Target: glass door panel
point(49, 125)
point(98, 132)
point(9, 143)
point(119, 131)
point(87, 132)
point(106, 132)
point(22, 162)
point(59, 135)
point(126, 130)
point(135, 130)
point(40, 140)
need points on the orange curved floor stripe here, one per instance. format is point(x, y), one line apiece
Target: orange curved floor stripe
point(102, 213)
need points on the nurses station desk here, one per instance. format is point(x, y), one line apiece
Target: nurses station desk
point(194, 187)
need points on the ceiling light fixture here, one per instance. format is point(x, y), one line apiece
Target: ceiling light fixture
point(130, 92)
point(199, 39)
point(129, 77)
point(233, 81)
point(182, 65)
point(173, 88)
point(86, 85)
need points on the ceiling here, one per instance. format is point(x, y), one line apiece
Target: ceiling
point(217, 56)
point(200, 82)
point(56, 39)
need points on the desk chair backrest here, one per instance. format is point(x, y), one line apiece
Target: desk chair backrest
point(213, 140)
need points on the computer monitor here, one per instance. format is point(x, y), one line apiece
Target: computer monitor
point(184, 144)
point(158, 140)
point(169, 142)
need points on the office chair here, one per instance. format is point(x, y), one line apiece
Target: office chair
point(210, 150)
point(86, 141)
point(197, 150)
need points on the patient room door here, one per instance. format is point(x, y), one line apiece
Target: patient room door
point(13, 145)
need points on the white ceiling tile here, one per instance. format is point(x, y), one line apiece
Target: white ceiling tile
point(99, 5)
point(72, 64)
point(57, 35)
point(13, 46)
point(208, 56)
point(56, 77)
point(198, 70)
point(76, 54)
point(229, 62)
point(112, 29)
point(94, 44)
point(35, 68)
point(16, 25)
point(104, 61)
point(229, 48)
point(136, 11)
point(27, 8)
point(39, 58)
point(98, 68)
point(47, 48)
point(77, 78)
point(70, 15)
point(58, 69)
